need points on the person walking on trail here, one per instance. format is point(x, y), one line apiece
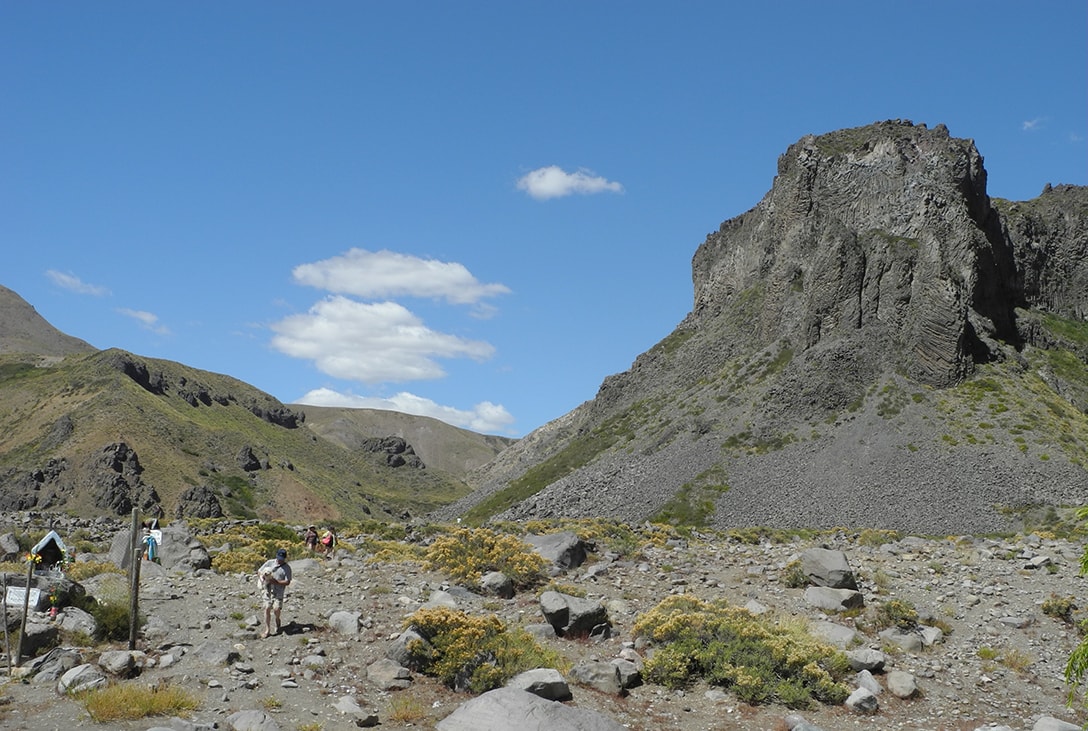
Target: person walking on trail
point(328, 542)
point(275, 577)
point(311, 538)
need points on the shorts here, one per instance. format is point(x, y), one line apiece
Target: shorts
point(271, 600)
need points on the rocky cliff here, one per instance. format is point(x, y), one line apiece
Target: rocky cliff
point(876, 343)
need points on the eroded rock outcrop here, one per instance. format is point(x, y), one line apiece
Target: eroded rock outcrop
point(808, 383)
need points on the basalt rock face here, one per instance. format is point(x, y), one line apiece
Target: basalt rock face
point(883, 235)
point(867, 346)
point(1049, 236)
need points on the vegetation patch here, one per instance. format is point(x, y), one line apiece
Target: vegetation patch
point(467, 553)
point(474, 653)
point(893, 240)
point(1060, 608)
point(237, 494)
point(694, 503)
point(407, 709)
point(892, 401)
point(624, 539)
point(897, 613)
point(672, 342)
point(728, 646)
point(1025, 405)
point(745, 442)
point(133, 701)
point(252, 545)
point(1073, 331)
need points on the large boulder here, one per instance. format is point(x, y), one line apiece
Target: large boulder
point(564, 550)
point(49, 667)
point(571, 615)
point(39, 636)
point(408, 649)
point(509, 708)
point(833, 600)
point(825, 567)
point(599, 675)
point(548, 683)
point(83, 677)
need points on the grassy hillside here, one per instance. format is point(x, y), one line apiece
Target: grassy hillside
point(440, 446)
point(187, 427)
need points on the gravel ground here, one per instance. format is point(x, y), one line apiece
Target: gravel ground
point(980, 589)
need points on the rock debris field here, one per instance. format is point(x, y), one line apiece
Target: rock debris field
point(988, 653)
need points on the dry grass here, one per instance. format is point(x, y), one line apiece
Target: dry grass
point(131, 702)
point(406, 709)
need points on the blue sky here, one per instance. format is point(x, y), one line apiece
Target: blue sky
point(475, 211)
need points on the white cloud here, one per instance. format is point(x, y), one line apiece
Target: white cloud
point(374, 274)
point(485, 417)
point(75, 284)
point(370, 343)
point(1033, 124)
point(147, 320)
point(554, 182)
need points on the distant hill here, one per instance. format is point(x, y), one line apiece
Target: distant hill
point(23, 330)
point(100, 432)
point(441, 446)
point(877, 343)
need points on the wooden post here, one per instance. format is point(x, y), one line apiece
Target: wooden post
point(7, 637)
point(136, 550)
point(26, 609)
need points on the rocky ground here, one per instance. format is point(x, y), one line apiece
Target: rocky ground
point(1001, 661)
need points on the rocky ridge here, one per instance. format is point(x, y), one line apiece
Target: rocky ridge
point(876, 343)
point(990, 658)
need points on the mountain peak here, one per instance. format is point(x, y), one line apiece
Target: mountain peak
point(23, 330)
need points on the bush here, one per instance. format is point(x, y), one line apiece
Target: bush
point(728, 646)
point(467, 553)
point(475, 653)
point(1060, 608)
point(82, 570)
point(252, 545)
point(277, 532)
point(899, 613)
point(794, 576)
point(113, 620)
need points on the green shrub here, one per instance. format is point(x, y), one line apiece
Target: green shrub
point(794, 576)
point(276, 532)
point(877, 537)
point(898, 613)
point(1059, 607)
point(728, 646)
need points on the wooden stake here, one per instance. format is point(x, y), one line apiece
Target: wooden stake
point(26, 609)
point(7, 637)
point(136, 551)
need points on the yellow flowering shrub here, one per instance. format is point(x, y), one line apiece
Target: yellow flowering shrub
point(729, 646)
point(474, 653)
point(467, 553)
point(249, 548)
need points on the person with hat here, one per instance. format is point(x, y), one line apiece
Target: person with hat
point(274, 576)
